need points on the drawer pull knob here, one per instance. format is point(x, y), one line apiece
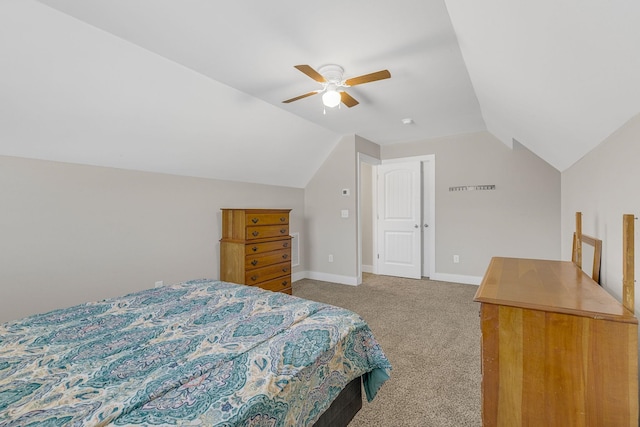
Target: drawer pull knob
point(254, 278)
point(285, 245)
point(282, 219)
point(255, 234)
point(284, 283)
point(283, 230)
point(254, 262)
point(285, 256)
point(255, 248)
point(254, 220)
point(284, 270)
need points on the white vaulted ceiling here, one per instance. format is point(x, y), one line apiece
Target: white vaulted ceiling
point(558, 76)
point(194, 87)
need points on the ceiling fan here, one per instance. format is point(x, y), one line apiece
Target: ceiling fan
point(330, 76)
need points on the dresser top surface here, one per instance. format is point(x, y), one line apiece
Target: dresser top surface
point(554, 286)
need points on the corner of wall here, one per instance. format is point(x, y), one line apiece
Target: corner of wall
point(328, 233)
point(602, 186)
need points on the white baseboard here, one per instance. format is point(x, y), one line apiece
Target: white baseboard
point(353, 281)
point(367, 268)
point(456, 278)
point(325, 277)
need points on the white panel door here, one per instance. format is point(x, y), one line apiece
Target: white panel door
point(399, 220)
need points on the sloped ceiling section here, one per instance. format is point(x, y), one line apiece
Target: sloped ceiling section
point(73, 93)
point(557, 76)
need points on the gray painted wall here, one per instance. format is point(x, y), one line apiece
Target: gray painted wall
point(366, 189)
point(73, 233)
point(366, 212)
point(603, 185)
point(520, 218)
point(327, 232)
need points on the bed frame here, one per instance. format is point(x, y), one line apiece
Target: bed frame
point(344, 407)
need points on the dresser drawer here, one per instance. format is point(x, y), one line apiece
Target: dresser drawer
point(263, 274)
point(266, 218)
point(259, 248)
point(269, 258)
point(276, 285)
point(266, 231)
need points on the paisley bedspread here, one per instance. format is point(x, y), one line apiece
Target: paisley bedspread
point(203, 353)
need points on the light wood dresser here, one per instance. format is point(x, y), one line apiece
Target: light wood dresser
point(557, 349)
point(255, 248)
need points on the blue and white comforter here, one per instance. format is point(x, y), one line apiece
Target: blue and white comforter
point(203, 353)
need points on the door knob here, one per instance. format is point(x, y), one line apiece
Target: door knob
point(416, 226)
point(426, 225)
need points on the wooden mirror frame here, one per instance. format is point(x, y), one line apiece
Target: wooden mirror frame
point(576, 254)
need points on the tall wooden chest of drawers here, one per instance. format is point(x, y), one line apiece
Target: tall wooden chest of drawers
point(255, 248)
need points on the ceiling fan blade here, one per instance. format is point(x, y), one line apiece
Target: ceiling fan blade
point(348, 100)
point(311, 73)
point(300, 97)
point(379, 75)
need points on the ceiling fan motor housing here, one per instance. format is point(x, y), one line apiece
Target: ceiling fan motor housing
point(332, 73)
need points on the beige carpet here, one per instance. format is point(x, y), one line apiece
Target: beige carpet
point(430, 331)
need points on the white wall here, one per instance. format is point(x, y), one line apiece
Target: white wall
point(72, 233)
point(604, 185)
point(520, 218)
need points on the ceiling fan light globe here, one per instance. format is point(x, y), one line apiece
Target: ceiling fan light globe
point(331, 98)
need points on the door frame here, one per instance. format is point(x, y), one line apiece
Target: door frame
point(365, 158)
point(431, 170)
point(428, 173)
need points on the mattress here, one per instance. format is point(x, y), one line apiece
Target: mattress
point(196, 353)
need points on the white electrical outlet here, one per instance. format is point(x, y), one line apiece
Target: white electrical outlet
point(344, 213)
point(456, 259)
point(159, 283)
point(330, 258)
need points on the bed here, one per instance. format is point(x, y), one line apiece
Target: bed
point(204, 353)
